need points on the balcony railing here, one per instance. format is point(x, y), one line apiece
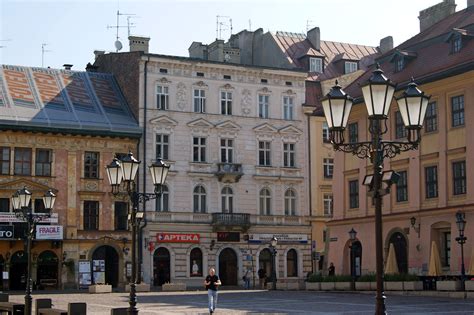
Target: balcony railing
point(229, 172)
point(238, 220)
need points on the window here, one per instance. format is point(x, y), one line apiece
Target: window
point(431, 181)
point(265, 202)
point(226, 103)
point(162, 97)
point(227, 77)
point(315, 65)
point(227, 200)
point(263, 81)
point(431, 118)
point(200, 74)
point(288, 83)
point(264, 153)
point(162, 144)
point(402, 187)
point(121, 216)
point(325, 132)
point(290, 202)
point(456, 44)
point(457, 110)
point(350, 66)
point(163, 70)
point(400, 64)
point(199, 101)
point(292, 263)
point(446, 249)
point(327, 201)
point(4, 160)
point(400, 130)
point(91, 215)
point(287, 107)
point(195, 263)
point(263, 101)
point(199, 199)
point(459, 178)
point(91, 164)
point(162, 200)
point(43, 162)
point(328, 166)
point(288, 154)
point(353, 194)
point(39, 206)
point(4, 204)
point(353, 132)
point(22, 161)
point(199, 149)
point(227, 150)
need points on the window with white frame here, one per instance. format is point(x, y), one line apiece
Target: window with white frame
point(456, 44)
point(350, 66)
point(325, 132)
point(227, 200)
point(263, 101)
point(199, 100)
point(315, 65)
point(226, 103)
point(227, 150)
point(288, 107)
point(162, 144)
point(327, 203)
point(162, 200)
point(399, 64)
point(265, 202)
point(328, 167)
point(199, 149)
point(290, 202)
point(199, 199)
point(264, 153)
point(289, 155)
point(162, 97)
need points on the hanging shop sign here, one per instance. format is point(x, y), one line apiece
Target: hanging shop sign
point(49, 232)
point(282, 238)
point(177, 238)
point(228, 236)
point(11, 218)
point(6, 232)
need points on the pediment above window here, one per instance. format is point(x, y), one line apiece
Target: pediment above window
point(200, 84)
point(290, 133)
point(265, 128)
point(200, 123)
point(163, 120)
point(33, 186)
point(228, 124)
point(458, 32)
point(227, 86)
point(164, 81)
point(404, 54)
point(289, 92)
point(264, 90)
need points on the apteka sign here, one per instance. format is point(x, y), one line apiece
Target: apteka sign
point(177, 238)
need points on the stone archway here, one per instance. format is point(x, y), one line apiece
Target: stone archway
point(47, 270)
point(161, 266)
point(228, 268)
point(18, 270)
point(110, 257)
point(399, 242)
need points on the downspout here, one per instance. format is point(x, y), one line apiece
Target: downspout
point(310, 191)
point(140, 230)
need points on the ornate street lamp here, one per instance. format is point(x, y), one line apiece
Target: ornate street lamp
point(126, 170)
point(353, 237)
point(21, 206)
point(461, 239)
point(273, 244)
point(378, 93)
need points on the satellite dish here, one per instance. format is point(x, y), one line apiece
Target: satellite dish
point(118, 45)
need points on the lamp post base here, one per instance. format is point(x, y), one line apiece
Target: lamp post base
point(132, 310)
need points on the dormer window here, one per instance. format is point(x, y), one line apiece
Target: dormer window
point(456, 44)
point(399, 64)
point(350, 66)
point(315, 65)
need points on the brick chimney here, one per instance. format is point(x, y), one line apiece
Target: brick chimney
point(139, 43)
point(67, 66)
point(314, 37)
point(386, 44)
point(97, 53)
point(436, 13)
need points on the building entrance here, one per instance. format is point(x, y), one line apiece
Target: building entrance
point(47, 271)
point(161, 266)
point(107, 271)
point(228, 267)
point(265, 261)
point(18, 270)
point(400, 244)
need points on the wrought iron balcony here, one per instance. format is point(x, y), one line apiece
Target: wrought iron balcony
point(229, 172)
point(226, 221)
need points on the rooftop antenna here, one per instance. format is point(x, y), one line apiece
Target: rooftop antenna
point(42, 53)
point(130, 24)
point(118, 44)
point(220, 26)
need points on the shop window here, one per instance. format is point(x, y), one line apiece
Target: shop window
point(195, 263)
point(292, 263)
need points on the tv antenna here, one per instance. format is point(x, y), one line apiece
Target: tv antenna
point(118, 44)
point(43, 45)
point(221, 25)
point(130, 24)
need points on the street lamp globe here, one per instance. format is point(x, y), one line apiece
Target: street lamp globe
point(24, 196)
point(159, 171)
point(274, 241)
point(337, 106)
point(49, 198)
point(460, 222)
point(16, 201)
point(378, 92)
point(129, 166)
point(352, 234)
point(412, 105)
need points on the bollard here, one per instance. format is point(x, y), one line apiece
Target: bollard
point(77, 308)
point(119, 311)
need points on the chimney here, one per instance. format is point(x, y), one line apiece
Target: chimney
point(314, 38)
point(67, 66)
point(386, 44)
point(139, 43)
point(97, 53)
point(436, 13)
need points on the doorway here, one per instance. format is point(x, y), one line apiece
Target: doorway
point(265, 262)
point(356, 259)
point(47, 271)
point(105, 265)
point(161, 266)
point(400, 244)
point(18, 270)
point(228, 267)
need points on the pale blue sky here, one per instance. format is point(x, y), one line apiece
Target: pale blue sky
point(74, 29)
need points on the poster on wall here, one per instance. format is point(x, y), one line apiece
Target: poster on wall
point(99, 277)
point(84, 273)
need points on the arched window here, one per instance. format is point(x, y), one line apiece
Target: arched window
point(195, 263)
point(290, 202)
point(292, 263)
point(227, 200)
point(162, 202)
point(199, 199)
point(265, 201)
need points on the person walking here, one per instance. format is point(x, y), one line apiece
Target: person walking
point(246, 279)
point(262, 278)
point(212, 282)
point(331, 270)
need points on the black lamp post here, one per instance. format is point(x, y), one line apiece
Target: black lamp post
point(126, 170)
point(273, 244)
point(21, 205)
point(378, 93)
point(352, 237)
point(461, 239)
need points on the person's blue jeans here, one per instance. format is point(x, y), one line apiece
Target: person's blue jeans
point(247, 283)
point(212, 299)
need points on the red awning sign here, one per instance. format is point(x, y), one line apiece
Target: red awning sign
point(177, 238)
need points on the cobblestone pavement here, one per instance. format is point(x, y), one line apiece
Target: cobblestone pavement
point(259, 302)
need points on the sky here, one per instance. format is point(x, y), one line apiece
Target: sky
point(72, 30)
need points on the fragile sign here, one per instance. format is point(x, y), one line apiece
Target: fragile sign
point(49, 232)
point(177, 238)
